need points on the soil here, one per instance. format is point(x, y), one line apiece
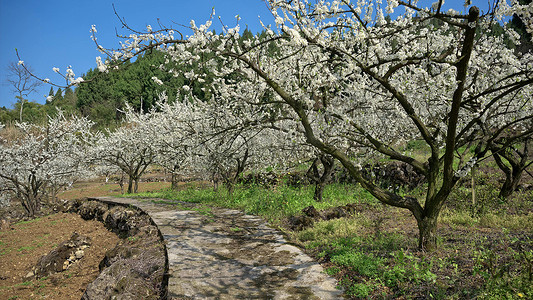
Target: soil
point(23, 243)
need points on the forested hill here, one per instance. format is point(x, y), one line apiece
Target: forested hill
point(105, 96)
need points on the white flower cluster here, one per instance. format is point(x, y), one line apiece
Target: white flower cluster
point(157, 80)
point(51, 155)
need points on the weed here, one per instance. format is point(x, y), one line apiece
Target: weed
point(26, 248)
point(504, 279)
point(25, 283)
point(274, 204)
point(26, 222)
point(332, 271)
point(363, 264)
point(360, 290)
point(405, 266)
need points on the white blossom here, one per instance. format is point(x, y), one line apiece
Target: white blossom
point(157, 80)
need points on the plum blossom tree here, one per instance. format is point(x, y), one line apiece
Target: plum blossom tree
point(349, 77)
point(517, 156)
point(44, 157)
point(194, 137)
point(174, 135)
point(128, 148)
point(343, 77)
point(235, 141)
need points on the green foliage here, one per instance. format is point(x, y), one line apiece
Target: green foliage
point(7, 116)
point(358, 258)
point(373, 263)
point(363, 264)
point(102, 98)
point(359, 290)
point(273, 204)
point(505, 279)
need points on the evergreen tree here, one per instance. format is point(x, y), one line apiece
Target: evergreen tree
point(58, 96)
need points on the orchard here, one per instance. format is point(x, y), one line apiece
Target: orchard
point(344, 78)
point(330, 88)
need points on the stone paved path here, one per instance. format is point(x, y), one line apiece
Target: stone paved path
point(225, 254)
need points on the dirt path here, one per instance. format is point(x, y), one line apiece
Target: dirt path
point(225, 254)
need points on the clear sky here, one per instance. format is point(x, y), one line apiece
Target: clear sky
point(55, 33)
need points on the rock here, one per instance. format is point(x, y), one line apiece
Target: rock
point(134, 269)
point(311, 211)
point(90, 210)
point(121, 281)
point(60, 258)
point(73, 205)
point(311, 215)
point(335, 213)
point(4, 225)
point(147, 237)
point(125, 221)
point(298, 223)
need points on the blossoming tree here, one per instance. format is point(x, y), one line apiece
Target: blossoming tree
point(193, 137)
point(44, 158)
point(344, 77)
point(128, 148)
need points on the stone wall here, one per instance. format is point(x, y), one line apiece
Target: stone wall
point(137, 268)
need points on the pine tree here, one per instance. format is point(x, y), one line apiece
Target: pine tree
point(58, 96)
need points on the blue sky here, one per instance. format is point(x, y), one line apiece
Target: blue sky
point(54, 33)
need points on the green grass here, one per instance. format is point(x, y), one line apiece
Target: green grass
point(375, 262)
point(27, 222)
point(365, 265)
point(273, 204)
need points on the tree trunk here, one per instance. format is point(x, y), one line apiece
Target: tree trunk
point(174, 179)
point(28, 203)
point(512, 180)
point(427, 227)
point(214, 179)
point(320, 180)
point(230, 186)
point(518, 161)
point(174, 182)
point(130, 185)
point(319, 191)
point(21, 107)
point(27, 207)
point(136, 186)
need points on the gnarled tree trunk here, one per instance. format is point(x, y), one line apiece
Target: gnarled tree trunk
point(321, 180)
